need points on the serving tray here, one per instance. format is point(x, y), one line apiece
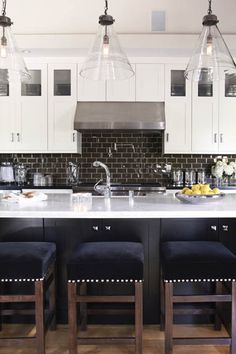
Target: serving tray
point(199, 198)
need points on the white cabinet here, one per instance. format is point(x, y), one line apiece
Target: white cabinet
point(227, 115)
point(121, 90)
point(24, 113)
point(62, 101)
point(32, 111)
point(205, 112)
point(7, 119)
point(150, 82)
point(177, 110)
point(89, 90)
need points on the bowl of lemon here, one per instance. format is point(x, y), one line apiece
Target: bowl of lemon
point(199, 193)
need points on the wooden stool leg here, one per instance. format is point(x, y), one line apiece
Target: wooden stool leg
point(218, 291)
point(52, 300)
point(83, 309)
point(162, 314)
point(72, 317)
point(168, 318)
point(138, 318)
point(233, 319)
point(39, 317)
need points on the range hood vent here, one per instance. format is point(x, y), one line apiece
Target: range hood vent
point(120, 116)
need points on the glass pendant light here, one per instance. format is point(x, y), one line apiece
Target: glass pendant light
point(106, 60)
point(12, 64)
point(211, 59)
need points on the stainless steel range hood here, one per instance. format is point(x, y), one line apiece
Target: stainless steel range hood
point(120, 116)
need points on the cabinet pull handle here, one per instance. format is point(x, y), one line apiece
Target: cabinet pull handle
point(95, 228)
point(167, 137)
point(18, 137)
point(221, 138)
point(214, 227)
point(12, 137)
point(73, 137)
point(215, 138)
point(108, 228)
point(225, 228)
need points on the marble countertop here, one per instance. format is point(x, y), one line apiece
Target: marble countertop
point(152, 206)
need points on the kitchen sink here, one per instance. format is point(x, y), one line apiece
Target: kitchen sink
point(123, 189)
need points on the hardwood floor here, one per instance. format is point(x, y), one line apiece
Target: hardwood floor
point(153, 340)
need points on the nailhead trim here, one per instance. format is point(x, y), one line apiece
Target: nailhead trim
point(20, 280)
point(196, 280)
point(105, 281)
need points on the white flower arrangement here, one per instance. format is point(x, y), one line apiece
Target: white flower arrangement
point(223, 168)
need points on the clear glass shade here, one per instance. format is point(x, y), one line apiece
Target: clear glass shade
point(106, 59)
point(12, 64)
point(211, 59)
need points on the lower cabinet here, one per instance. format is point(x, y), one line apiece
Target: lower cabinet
point(67, 233)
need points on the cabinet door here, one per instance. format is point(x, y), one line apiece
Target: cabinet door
point(31, 129)
point(150, 82)
point(227, 233)
point(227, 115)
point(89, 90)
point(205, 117)
point(7, 117)
point(121, 90)
point(177, 110)
point(62, 100)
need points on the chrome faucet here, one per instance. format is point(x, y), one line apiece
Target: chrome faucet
point(104, 189)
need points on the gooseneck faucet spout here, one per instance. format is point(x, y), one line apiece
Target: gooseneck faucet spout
point(103, 189)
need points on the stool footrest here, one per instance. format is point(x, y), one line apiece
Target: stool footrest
point(11, 342)
point(202, 341)
point(98, 299)
point(17, 298)
point(106, 340)
point(202, 298)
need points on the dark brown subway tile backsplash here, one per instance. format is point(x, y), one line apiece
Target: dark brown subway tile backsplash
point(133, 161)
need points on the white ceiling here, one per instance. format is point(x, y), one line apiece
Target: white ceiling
point(132, 16)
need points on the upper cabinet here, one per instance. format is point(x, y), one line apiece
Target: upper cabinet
point(227, 115)
point(122, 90)
point(177, 110)
point(89, 90)
point(23, 108)
point(150, 83)
point(62, 100)
point(205, 111)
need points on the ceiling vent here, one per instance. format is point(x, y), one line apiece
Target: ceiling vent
point(158, 21)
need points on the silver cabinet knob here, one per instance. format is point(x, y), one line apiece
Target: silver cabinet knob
point(214, 227)
point(108, 228)
point(225, 228)
point(95, 228)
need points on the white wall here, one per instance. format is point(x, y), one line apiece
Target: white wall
point(132, 16)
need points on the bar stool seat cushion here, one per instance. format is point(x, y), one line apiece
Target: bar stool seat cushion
point(107, 261)
point(25, 261)
point(197, 261)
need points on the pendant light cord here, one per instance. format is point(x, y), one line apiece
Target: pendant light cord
point(209, 8)
point(4, 5)
point(106, 6)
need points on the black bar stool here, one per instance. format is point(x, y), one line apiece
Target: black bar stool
point(105, 262)
point(192, 262)
point(25, 263)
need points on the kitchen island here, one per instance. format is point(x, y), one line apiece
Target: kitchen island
point(150, 220)
point(148, 207)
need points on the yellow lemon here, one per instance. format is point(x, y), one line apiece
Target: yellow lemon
point(184, 190)
point(205, 188)
point(188, 192)
point(216, 191)
point(196, 187)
